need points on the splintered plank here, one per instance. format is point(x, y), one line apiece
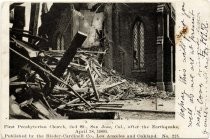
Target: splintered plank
point(93, 84)
point(96, 70)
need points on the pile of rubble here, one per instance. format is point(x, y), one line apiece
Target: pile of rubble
point(66, 84)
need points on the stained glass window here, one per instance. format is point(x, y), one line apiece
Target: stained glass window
point(138, 46)
point(60, 42)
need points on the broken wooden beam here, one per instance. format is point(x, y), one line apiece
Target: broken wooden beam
point(91, 52)
point(77, 42)
point(23, 33)
point(93, 84)
point(21, 83)
point(81, 51)
point(31, 51)
point(133, 110)
point(51, 74)
point(97, 105)
point(12, 6)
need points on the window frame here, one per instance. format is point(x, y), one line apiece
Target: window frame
point(61, 41)
point(138, 22)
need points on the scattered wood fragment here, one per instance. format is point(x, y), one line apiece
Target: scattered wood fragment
point(14, 78)
point(87, 114)
point(53, 76)
point(22, 83)
point(93, 85)
point(112, 85)
point(133, 110)
point(74, 101)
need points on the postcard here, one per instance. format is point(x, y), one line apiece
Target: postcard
point(104, 69)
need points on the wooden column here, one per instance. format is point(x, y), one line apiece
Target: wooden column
point(34, 20)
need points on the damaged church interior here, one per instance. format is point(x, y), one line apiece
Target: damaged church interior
point(92, 61)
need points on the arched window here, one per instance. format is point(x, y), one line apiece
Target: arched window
point(60, 42)
point(138, 45)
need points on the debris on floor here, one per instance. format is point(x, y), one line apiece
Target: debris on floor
point(70, 84)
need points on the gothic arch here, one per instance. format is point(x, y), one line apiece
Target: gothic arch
point(138, 44)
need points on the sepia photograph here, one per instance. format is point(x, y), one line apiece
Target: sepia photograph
point(92, 61)
point(88, 69)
